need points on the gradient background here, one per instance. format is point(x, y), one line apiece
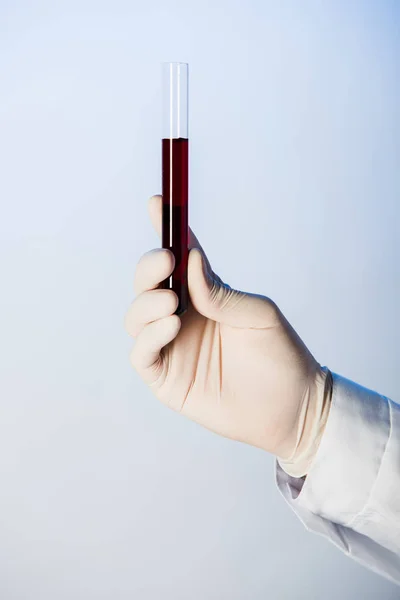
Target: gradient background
point(106, 494)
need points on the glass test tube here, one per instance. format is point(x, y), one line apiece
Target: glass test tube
point(175, 176)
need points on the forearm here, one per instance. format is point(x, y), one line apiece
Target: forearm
point(352, 491)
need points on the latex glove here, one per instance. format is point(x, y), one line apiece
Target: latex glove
point(232, 362)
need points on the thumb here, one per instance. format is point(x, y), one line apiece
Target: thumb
point(219, 302)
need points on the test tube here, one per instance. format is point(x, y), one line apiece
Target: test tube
point(175, 176)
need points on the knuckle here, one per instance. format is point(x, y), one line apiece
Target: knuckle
point(217, 292)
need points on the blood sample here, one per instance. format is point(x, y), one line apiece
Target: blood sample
point(175, 177)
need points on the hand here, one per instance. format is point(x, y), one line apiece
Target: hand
point(232, 362)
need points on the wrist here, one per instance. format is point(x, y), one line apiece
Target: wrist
point(311, 424)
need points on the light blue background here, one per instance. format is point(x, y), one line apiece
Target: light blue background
point(104, 493)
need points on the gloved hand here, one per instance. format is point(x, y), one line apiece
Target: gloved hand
point(232, 362)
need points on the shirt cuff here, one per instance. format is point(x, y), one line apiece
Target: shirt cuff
point(347, 463)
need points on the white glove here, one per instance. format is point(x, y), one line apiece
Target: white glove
point(232, 362)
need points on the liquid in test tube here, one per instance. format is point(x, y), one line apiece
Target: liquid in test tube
point(175, 176)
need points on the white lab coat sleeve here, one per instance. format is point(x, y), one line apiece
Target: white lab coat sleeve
point(351, 494)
